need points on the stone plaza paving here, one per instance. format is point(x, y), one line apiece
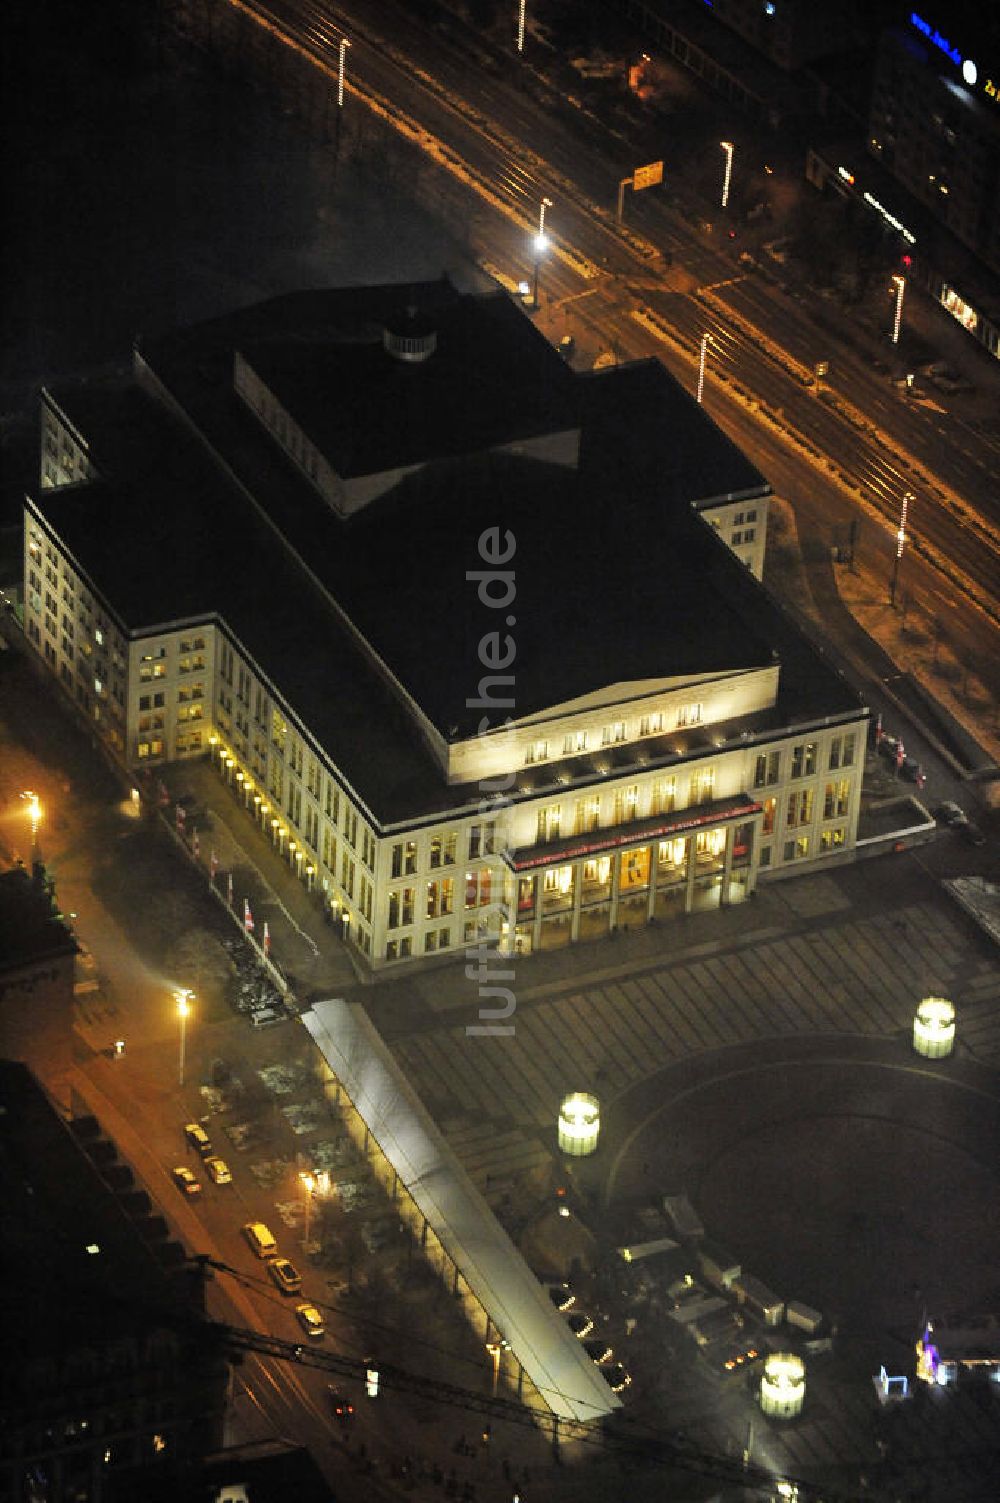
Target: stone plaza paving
point(809, 989)
point(823, 955)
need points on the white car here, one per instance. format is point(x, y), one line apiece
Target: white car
point(218, 1171)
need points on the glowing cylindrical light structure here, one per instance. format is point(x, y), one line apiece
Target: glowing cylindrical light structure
point(934, 1028)
point(783, 1385)
point(579, 1124)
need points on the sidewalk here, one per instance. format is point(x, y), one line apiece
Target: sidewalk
point(306, 949)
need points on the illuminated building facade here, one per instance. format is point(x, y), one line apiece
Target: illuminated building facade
point(935, 118)
point(477, 641)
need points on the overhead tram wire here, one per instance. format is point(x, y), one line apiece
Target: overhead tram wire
point(648, 1446)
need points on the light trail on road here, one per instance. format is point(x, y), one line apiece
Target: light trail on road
point(513, 178)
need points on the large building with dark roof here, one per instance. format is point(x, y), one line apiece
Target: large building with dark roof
point(480, 640)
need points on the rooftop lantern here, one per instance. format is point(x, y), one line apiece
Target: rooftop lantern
point(579, 1124)
point(783, 1385)
point(934, 1028)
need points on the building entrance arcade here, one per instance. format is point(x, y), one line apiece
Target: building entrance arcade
point(659, 868)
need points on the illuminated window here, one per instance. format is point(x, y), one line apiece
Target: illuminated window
point(443, 849)
point(651, 725)
point(626, 804)
point(689, 714)
point(800, 808)
point(663, 795)
point(832, 840)
point(478, 886)
point(836, 798)
point(538, 751)
point(796, 849)
point(549, 820)
point(587, 814)
point(440, 898)
point(575, 742)
point(770, 806)
point(613, 735)
point(702, 787)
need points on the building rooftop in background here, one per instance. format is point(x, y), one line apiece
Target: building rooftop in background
point(30, 930)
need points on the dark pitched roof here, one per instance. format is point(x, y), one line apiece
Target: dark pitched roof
point(617, 578)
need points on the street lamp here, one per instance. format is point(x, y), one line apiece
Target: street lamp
point(900, 282)
point(728, 148)
point(541, 244)
point(900, 544)
point(183, 998)
point(309, 1185)
point(35, 815)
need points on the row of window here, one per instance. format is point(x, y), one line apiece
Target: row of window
point(794, 850)
point(586, 813)
point(619, 731)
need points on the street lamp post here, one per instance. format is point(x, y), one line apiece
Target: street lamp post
point(184, 997)
point(35, 816)
point(897, 320)
point(541, 245)
point(705, 338)
point(900, 544)
point(728, 148)
point(308, 1185)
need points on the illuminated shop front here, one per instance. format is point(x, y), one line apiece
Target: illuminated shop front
point(654, 869)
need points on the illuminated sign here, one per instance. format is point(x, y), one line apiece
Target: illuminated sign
point(933, 35)
point(970, 72)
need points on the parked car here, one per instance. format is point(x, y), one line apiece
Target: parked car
point(311, 1321)
point(185, 1181)
point(949, 813)
point(198, 1138)
point(261, 1239)
point(285, 1275)
point(218, 1171)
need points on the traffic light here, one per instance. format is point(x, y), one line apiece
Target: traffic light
point(906, 261)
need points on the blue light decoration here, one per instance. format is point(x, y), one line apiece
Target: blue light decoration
point(933, 35)
point(769, 7)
